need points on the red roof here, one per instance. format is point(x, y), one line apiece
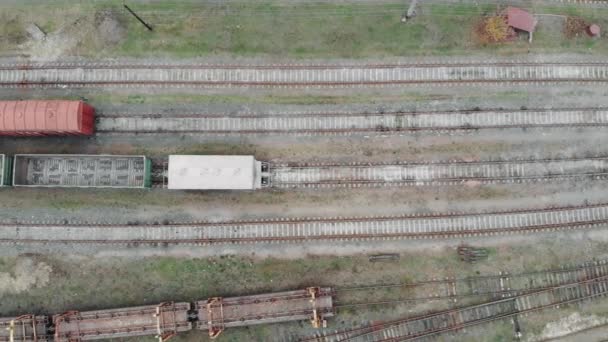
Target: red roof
point(520, 19)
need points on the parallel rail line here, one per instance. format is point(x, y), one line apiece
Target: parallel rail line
point(432, 226)
point(322, 76)
point(350, 123)
point(434, 173)
point(457, 319)
point(275, 66)
point(453, 289)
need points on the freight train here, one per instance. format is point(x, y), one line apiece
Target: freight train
point(184, 172)
point(57, 117)
point(167, 319)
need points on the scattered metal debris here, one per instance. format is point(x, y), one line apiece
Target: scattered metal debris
point(472, 254)
point(384, 257)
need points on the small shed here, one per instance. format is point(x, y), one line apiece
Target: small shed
point(519, 19)
point(192, 172)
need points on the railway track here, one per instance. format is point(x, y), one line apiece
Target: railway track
point(457, 319)
point(217, 314)
point(283, 230)
point(491, 287)
point(433, 173)
point(349, 123)
point(295, 75)
point(582, 2)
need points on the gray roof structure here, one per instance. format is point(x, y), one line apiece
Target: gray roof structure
point(195, 172)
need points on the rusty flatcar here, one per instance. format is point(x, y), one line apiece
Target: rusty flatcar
point(163, 321)
point(41, 118)
point(313, 304)
point(25, 328)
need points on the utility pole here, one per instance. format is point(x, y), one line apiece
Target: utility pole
point(137, 17)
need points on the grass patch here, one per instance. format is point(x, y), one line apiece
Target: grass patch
point(100, 99)
point(284, 29)
point(88, 283)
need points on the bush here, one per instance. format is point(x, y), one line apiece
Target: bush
point(492, 29)
point(574, 27)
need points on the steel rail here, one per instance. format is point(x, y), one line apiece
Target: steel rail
point(328, 237)
point(282, 66)
point(583, 267)
point(350, 131)
point(345, 123)
point(308, 114)
point(286, 220)
point(434, 162)
point(507, 315)
point(442, 181)
point(368, 228)
point(502, 285)
point(228, 84)
point(339, 305)
point(322, 76)
point(364, 331)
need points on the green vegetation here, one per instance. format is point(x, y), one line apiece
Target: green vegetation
point(82, 282)
point(89, 283)
point(287, 29)
point(100, 99)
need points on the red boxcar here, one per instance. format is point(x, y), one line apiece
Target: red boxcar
point(54, 117)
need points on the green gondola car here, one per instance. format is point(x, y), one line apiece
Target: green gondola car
point(6, 168)
point(81, 171)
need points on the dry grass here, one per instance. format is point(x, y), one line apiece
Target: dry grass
point(12, 33)
point(574, 27)
point(491, 30)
